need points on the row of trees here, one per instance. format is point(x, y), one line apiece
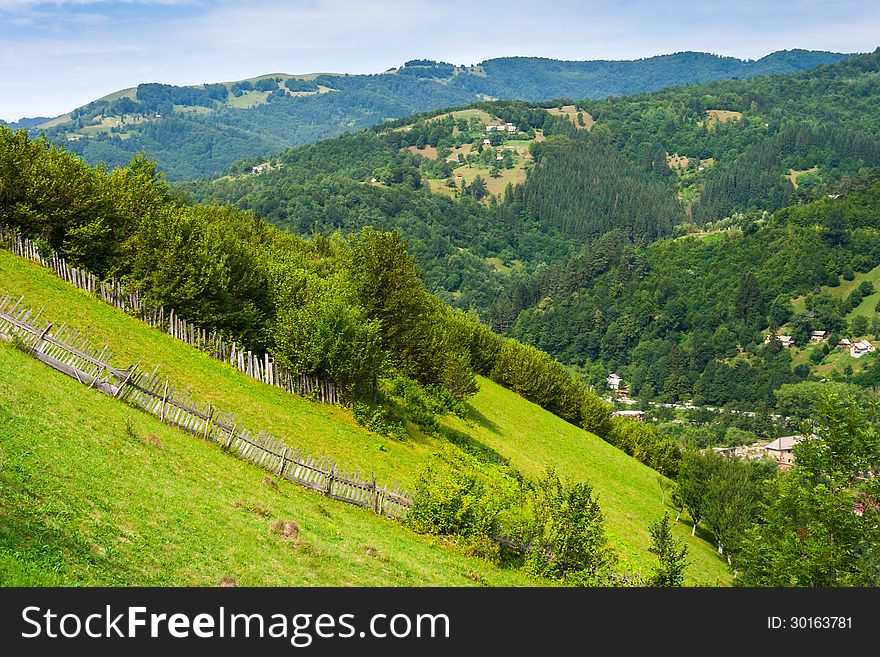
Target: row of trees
point(348, 310)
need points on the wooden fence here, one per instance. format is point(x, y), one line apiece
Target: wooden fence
point(256, 365)
point(72, 353)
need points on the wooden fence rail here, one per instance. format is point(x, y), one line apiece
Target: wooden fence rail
point(255, 365)
point(72, 353)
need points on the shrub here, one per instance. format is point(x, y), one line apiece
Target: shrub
point(568, 532)
point(456, 495)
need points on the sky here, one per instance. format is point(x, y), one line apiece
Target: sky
point(56, 56)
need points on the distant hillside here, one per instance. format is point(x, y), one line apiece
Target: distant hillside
point(199, 131)
point(534, 78)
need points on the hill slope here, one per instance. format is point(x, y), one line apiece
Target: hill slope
point(199, 131)
point(87, 500)
point(530, 437)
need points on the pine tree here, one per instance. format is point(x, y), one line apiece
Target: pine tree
point(671, 554)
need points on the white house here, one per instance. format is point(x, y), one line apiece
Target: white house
point(630, 415)
point(781, 450)
point(785, 340)
point(614, 381)
point(487, 142)
point(818, 336)
point(861, 348)
point(844, 342)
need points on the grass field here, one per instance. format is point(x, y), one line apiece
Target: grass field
point(571, 112)
point(429, 152)
point(495, 186)
point(87, 497)
point(526, 434)
point(629, 492)
point(467, 114)
point(793, 175)
point(714, 116)
point(248, 99)
point(845, 287)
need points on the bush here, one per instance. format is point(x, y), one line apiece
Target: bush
point(456, 495)
point(568, 532)
point(378, 421)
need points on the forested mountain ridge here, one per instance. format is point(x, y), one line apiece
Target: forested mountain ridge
point(199, 131)
point(564, 259)
point(648, 163)
point(535, 79)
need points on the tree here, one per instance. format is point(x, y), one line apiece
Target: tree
point(818, 523)
point(859, 325)
point(478, 188)
point(729, 503)
point(690, 491)
point(748, 297)
point(385, 282)
point(671, 555)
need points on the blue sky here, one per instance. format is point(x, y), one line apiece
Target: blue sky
point(55, 56)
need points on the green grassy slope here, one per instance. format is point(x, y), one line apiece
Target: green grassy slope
point(629, 492)
point(316, 428)
point(529, 436)
point(85, 499)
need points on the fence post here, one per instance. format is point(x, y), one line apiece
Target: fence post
point(125, 381)
point(164, 398)
point(377, 503)
point(209, 422)
point(283, 461)
point(39, 339)
point(330, 477)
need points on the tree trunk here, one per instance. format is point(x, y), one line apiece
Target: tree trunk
point(694, 530)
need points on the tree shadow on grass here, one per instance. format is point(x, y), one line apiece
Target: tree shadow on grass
point(475, 416)
point(473, 446)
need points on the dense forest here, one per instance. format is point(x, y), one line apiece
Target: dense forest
point(686, 318)
point(199, 131)
point(535, 78)
point(771, 162)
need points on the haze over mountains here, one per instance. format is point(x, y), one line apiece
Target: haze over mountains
point(199, 131)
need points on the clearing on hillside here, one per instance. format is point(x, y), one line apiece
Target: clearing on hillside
point(794, 174)
point(467, 114)
point(715, 116)
point(428, 151)
point(676, 161)
point(572, 112)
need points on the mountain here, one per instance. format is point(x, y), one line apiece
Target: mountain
point(416, 405)
point(199, 131)
point(535, 78)
point(553, 241)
